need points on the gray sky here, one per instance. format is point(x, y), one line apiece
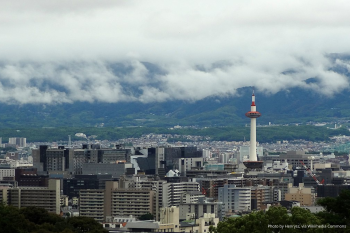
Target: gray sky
point(60, 51)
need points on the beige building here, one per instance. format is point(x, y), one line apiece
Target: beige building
point(92, 203)
point(199, 209)
point(75, 201)
point(134, 202)
point(64, 200)
point(44, 197)
point(142, 182)
point(169, 222)
point(300, 194)
point(96, 203)
point(201, 225)
point(113, 201)
point(261, 194)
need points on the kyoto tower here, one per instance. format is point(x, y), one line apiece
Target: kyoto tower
point(253, 162)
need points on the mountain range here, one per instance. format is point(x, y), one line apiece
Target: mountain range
point(294, 105)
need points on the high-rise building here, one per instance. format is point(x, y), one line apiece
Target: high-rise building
point(138, 182)
point(92, 203)
point(114, 201)
point(172, 192)
point(44, 197)
point(261, 194)
point(134, 202)
point(235, 198)
point(20, 142)
point(73, 160)
point(162, 159)
point(51, 159)
point(186, 164)
point(72, 186)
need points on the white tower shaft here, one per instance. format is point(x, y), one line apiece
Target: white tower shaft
point(252, 149)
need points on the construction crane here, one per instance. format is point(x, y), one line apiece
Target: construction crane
point(204, 191)
point(311, 174)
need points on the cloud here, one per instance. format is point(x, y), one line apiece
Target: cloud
point(112, 51)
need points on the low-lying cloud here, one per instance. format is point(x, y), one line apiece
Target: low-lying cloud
point(153, 51)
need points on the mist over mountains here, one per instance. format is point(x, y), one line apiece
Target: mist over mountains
point(141, 94)
point(291, 106)
point(145, 94)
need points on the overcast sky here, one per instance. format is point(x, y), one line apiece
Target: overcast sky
point(61, 51)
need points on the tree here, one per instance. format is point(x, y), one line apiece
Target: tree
point(337, 210)
point(276, 219)
point(38, 220)
point(85, 224)
point(147, 216)
point(12, 220)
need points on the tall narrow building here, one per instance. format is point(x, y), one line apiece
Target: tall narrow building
point(253, 162)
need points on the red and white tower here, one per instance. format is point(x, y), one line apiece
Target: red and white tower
point(253, 114)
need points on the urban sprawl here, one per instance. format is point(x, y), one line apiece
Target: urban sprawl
point(178, 186)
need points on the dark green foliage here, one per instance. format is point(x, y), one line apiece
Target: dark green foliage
point(147, 216)
point(293, 106)
point(11, 220)
point(337, 209)
point(85, 224)
point(274, 220)
point(39, 216)
point(38, 220)
point(337, 212)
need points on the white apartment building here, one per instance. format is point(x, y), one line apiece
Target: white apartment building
point(20, 142)
point(7, 173)
point(186, 164)
point(191, 197)
point(172, 192)
point(235, 198)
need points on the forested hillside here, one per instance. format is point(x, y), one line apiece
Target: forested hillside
point(292, 106)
